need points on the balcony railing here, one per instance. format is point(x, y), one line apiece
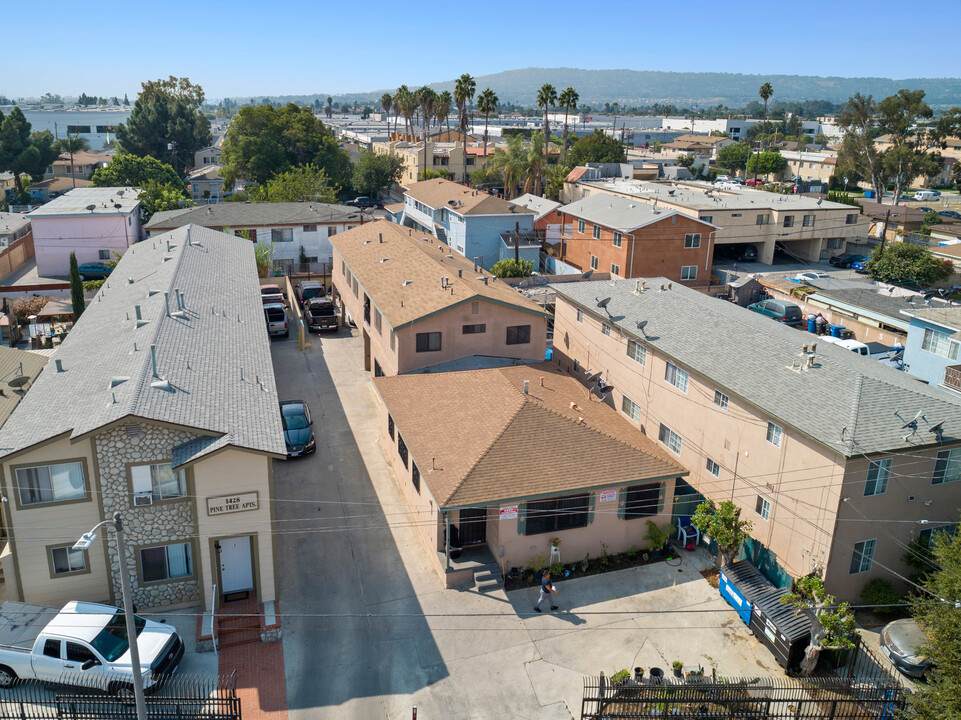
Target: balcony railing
point(952, 378)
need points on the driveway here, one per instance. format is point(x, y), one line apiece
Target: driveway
point(370, 632)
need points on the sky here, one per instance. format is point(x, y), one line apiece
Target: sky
point(245, 48)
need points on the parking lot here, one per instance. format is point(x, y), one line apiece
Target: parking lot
point(370, 632)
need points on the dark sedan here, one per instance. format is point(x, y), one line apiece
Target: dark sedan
point(846, 261)
point(299, 436)
point(953, 214)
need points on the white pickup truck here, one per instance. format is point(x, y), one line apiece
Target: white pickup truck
point(83, 644)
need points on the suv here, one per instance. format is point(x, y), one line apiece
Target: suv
point(95, 271)
point(308, 289)
point(321, 314)
point(363, 202)
point(276, 318)
point(780, 310)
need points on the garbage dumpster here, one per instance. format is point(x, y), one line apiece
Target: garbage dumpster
point(836, 330)
point(812, 324)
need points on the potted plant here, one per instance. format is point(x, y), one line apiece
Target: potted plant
point(620, 677)
point(678, 666)
point(555, 542)
point(638, 675)
point(656, 537)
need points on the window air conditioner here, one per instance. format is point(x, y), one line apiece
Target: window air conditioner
point(143, 498)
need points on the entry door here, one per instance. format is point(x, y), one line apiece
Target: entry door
point(473, 526)
point(236, 570)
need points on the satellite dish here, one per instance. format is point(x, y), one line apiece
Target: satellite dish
point(604, 389)
point(18, 381)
point(913, 423)
point(117, 205)
point(91, 207)
point(603, 303)
point(819, 201)
point(592, 378)
point(587, 275)
point(641, 324)
point(938, 429)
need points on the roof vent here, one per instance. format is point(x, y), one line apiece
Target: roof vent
point(406, 283)
point(118, 380)
point(162, 385)
point(59, 363)
point(383, 260)
point(131, 429)
point(380, 237)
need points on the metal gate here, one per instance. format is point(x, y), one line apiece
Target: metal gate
point(472, 526)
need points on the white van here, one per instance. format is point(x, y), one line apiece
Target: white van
point(853, 345)
point(927, 195)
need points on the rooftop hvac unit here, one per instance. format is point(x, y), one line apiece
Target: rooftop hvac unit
point(143, 498)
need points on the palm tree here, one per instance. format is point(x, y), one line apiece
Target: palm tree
point(426, 98)
point(463, 93)
point(536, 165)
point(71, 145)
point(568, 100)
point(487, 103)
point(766, 91)
point(330, 108)
point(546, 97)
point(404, 99)
point(442, 107)
point(511, 163)
point(387, 102)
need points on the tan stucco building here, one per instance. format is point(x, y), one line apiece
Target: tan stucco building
point(160, 405)
point(838, 460)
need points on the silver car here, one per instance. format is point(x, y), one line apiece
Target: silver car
point(276, 318)
point(900, 642)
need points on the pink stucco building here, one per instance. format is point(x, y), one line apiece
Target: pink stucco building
point(94, 223)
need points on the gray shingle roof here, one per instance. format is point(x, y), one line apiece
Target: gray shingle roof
point(240, 215)
point(753, 358)
point(105, 201)
point(215, 358)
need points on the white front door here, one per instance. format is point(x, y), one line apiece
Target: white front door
point(236, 570)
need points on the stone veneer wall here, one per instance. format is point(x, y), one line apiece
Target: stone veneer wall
point(146, 525)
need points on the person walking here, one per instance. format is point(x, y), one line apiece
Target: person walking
point(547, 588)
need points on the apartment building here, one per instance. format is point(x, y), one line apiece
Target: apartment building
point(446, 157)
point(470, 221)
point(807, 227)
point(419, 305)
point(608, 233)
point(839, 461)
point(289, 227)
point(547, 215)
point(165, 411)
point(811, 165)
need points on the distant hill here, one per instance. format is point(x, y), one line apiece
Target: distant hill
point(641, 87)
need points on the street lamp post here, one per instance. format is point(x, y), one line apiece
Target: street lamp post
point(85, 541)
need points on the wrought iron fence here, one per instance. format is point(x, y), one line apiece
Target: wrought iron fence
point(754, 698)
point(181, 697)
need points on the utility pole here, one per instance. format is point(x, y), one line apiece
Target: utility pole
point(517, 242)
point(884, 229)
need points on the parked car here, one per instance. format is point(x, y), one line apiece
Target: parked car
point(752, 182)
point(94, 271)
point(953, 214)
point(321, 314)
point(780, 310)
point(299, 436)
point(924, 209)
point(847, 260)
point(276, 317)
point(927, 195)
point(810, 275)
point(363, 202)
point(740, 252)
point(83, 644)
point(273, 291)
point(307, 289)
point(900, 643)
point(861, 266)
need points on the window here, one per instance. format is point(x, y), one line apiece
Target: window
point(617, 239)
point(393, 340)
point(79, 653)
point(378, 370)
point(642, 501)
point(580, 226)
point(51, 483)
point(577, 365)
point(278, 235)
point(938, 343)
point(851, 219)
point(167, 562)
point(475, 308)
point(518, 334)
point(377, 320)
point(692, 240)
point(669, 438)
point(390, 426)
point(597, 232)
point(66, 560)
point(878, 474)
point(51, 648)
point(159, 480)
point(104, 254)
point(310, 228)
point(835, 243)
point(763, 507)
point(637, 352)
point(774, 434)
point(689, 272)
point(721, 400)
point(734, 215)
point(331, 231)
point(707, 218)
point(594, 262)
point(564, 513)
point(631, 409)
point(415, 477)
point(615, 269)
point(356, 286)
point(580, 315)
point(808, 221)
point(606, 329)
point(713, 467)
point(764, 219)
point(788, 221)
point(947, 468)
point(477, 329)
point(863, 556)
point(924, 537)
point(676, 376)
point(402, 450)
point(428, 342)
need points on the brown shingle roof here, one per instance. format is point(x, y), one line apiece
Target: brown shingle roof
point(82, 157)
point(518, 446)
point(420, 264)
point(440, 193)
point(575, 174)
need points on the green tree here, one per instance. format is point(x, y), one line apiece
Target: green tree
point(76, 288)
point(71, 145)
point(406, 103)
point(442, 106)
point(156, 196)
point(23, 152)
point(723, 523)
point(769, 162)
point(940, 697)
point(167, 112)
point(425, 100)
point(546, 96)
point(822, 139)
point(509, 268)
point(264, 257)
point(464, 90)
point(126, 100)
point(734, 157)
point(134, 171)
point(903, 262)
point(262, 141)
point(913, 150)
point(487, 104)
point(596, 148)
point(832, 623)
point(765, 91)
point(858, 153)
point(511, 163)
point(568, 100)
point(375, 172)
point(307, 183)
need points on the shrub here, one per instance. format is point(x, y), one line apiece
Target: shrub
point(538, 562)
point(620, 677)
point(25, 307)
point(879, 593)
point(557, 569)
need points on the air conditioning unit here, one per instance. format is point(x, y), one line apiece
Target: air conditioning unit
point(143, 498)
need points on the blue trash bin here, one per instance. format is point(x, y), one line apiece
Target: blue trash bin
point(812, 324)
point(836, 330)
point(869, 193)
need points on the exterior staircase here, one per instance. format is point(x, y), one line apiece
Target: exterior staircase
point(238, 622)
point(486, 580)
